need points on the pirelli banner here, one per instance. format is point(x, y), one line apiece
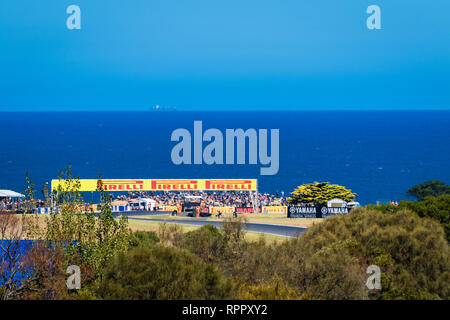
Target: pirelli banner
point(274, 209)
point(214, 210)
point(163, 184)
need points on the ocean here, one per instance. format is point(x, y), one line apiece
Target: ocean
point(377, 154)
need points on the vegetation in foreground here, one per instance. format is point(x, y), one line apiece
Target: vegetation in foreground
point(136, 225)
point(436, 208)
point(329, 261)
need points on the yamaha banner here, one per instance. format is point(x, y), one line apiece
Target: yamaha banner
point(302, 212)
point(315, 211)
point(331, 211)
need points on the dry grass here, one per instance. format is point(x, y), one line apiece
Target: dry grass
point(11, 227)
point(139, 225)
point(267, 218)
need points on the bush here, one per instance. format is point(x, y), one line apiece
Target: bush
point(235, 245)
point(143, 239)
point(275, 289)
point(333, 273)
point(161, 273)
point(412, 252)
point(329, 273)
point(437, 208)
point(170, 234)
point(206, 242)
point(329, 261)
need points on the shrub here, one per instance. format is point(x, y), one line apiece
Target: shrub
point(332, 273)
point(275, 289)
point(206, 242)
point(143, 239)
point(412, 252)
point(161, 273)
point(170, 234)
point(437, 208)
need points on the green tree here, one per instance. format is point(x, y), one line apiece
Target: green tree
point(85, 238)
point(320, 193)
point(110, 235)
point(431, 188)
point(161, 273)
point(29, 194)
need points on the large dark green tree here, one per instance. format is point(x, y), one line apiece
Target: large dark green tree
point(320, 193)
point(85, 237)
point(431, 188)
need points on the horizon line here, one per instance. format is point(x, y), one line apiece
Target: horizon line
point(222, 110)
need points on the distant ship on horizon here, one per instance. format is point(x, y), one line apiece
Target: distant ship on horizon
point(160, 108)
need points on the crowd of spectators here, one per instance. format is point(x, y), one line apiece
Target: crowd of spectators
point(11, 204)
point(18, 204)
point(209, 198)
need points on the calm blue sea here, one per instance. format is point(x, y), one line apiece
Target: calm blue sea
point(377, 154)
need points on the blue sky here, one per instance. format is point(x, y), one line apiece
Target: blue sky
point(216, 54)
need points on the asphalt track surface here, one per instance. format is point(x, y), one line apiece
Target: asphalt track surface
point(279, 230)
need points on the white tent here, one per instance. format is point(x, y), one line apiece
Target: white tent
point(10, 194)
point(353, 204)
point(144, 203)
point(337, 203)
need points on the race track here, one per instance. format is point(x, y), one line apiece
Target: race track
point(279, 230)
